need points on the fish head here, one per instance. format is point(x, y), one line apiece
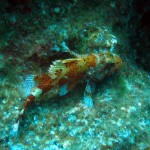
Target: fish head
point(107, 63)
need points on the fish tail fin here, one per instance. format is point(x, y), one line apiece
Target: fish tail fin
point(35, 93)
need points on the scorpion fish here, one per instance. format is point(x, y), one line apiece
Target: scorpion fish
point(69, 72)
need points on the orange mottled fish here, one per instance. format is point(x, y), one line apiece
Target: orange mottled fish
point(69, 72)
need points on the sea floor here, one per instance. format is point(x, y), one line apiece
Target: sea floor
point(120, 116)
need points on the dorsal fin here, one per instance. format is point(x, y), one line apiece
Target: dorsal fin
point(57, 65)
point(56, 68)
point(60, 67)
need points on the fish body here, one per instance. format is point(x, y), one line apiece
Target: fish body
point(67, 73)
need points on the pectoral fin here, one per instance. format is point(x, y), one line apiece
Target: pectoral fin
point(63, 90)
point(88, 101)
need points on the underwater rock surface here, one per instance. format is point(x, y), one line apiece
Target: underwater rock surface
point(35, 33)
